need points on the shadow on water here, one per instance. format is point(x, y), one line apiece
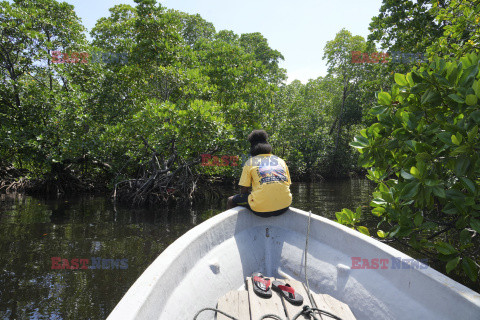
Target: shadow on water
point(32, 231)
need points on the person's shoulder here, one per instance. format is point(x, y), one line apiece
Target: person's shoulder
point(277, 158)
point(249, 162)
point(254, 161)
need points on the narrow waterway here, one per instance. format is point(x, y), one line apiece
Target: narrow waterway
point(36, 234)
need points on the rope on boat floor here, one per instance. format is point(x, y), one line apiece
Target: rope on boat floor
point(306, 254)
point(306, 309)
point(213, 309)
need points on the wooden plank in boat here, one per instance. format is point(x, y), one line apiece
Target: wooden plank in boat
point(234, 303)
point(332, 305)
point(260, 306)
point(322, 304)
point(291, 309)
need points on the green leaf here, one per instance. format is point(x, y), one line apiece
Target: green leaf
point(418, 88)
point(445, 248)
point(472, 133)
point(429, 96)
point(455, 194)
point(358, 213)
point(432, 182)
point(442, 80)
point(470, 268)
point(455, 140)
point(456, 98)
point(461, 166)
point(392, 233)
point(377, 110)
point(476, 88)
point(362, 141)
point(465, 236)
point(406, 175)
point(475, 115)
point(468, 183)
point(471, 100)
point(411, 144)
point(415, 172)
point(461, 149)
point(439, 191)
point(357, 145)
point(418, 219)
point(452, 210)
point(410, 190)
point(445, 137)
point(377, 202)
point(452, 264)
point(341, 217)
point(400, 79)
point(378, 211)
point(381, 234)
point(415, 76)
point(475, 224)
point(453, 76)
point(383, 187)
point(363, 230)
point(350, 215)
point(384, 98)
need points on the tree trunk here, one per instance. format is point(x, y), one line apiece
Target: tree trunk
point(339, 125)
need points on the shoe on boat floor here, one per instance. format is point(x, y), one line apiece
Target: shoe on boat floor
point(288, 292)
point(245, 304)
point(261, 285)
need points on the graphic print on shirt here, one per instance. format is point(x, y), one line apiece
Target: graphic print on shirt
point(270, 174)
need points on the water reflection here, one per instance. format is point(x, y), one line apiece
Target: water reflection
point(32, 231)
point(326, 198)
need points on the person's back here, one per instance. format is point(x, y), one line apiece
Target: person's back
point(268, 177)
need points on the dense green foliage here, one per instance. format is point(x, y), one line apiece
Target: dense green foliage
point(405, 26)
point(185, 89)
point(460, 21)
point(423, 148)
point(423, 153)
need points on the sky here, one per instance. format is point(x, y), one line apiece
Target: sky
point(298, 29)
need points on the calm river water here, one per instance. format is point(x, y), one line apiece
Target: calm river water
point(33, 231)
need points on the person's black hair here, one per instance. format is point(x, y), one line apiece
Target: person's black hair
point(258, 143)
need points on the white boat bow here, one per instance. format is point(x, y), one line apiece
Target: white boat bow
point(215, 257)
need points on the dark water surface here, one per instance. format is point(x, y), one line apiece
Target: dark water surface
point(33, 230)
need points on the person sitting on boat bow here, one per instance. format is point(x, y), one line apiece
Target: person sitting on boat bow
point(268, 177)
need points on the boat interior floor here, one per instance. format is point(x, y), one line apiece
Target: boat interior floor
point(244, 304)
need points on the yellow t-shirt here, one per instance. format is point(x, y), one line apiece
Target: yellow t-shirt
point(270, 180)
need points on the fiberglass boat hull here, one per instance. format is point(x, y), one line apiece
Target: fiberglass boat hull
point(216, 256)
